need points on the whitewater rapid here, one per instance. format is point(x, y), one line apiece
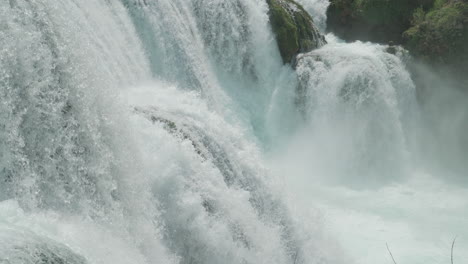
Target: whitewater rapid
point(169, 131)
point(120, 140)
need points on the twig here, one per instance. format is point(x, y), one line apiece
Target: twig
point(451, 253)
point(392, 254)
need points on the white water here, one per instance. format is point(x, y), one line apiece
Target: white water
point(168, 131)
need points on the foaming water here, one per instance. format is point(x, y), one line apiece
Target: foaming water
point(166, 173)
point(213, 196)
point(358, 102)
point(148, 132)
point(360, 159)
point(318, 10)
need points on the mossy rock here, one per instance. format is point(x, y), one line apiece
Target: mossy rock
point(372, 20)
point(440, 36)
point(294, 29)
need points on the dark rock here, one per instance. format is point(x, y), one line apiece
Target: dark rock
point(372, 20)
point(392, 49)
point(294, 29)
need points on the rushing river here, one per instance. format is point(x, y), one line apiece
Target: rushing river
point(169, 131)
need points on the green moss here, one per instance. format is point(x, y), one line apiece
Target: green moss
point(439, 3)
point(418, 16)
point(285, 30)
point(293, 28)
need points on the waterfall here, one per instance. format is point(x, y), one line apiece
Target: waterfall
point(359, 104)
point(148, 131)
point(131, 133)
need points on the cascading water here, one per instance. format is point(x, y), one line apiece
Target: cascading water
point(147, 131)
point(358, 101)
point(114, 173)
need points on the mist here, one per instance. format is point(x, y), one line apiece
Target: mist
point(385, 163)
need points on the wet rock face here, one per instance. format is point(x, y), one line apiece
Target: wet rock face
point(372, 20)
point(294, 29)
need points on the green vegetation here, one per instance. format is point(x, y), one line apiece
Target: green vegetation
point(435, 31)
point(294, 29)
point(441, 35)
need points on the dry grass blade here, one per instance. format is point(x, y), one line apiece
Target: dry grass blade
point(451, 252)
point(390, 253)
